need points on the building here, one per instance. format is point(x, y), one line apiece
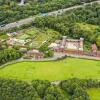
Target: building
point(67, 44)
point(94, 48)
point(14, 41)
point(35, 54)
point(12, 33)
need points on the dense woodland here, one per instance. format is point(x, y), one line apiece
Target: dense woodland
point(71, 89)
point(66, 24)
point(10, 11)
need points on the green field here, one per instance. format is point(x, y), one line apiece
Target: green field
point(94, 93)
point(58, 70)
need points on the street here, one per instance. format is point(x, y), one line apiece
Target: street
point(31, 19)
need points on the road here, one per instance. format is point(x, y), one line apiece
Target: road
point(32, 19)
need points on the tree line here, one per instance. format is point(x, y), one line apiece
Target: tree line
point(71, 89)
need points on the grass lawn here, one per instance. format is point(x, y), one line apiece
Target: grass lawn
point(57, 70)
point(94, 93)
point(88, 27)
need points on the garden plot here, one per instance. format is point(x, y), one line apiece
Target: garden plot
point(37, 37)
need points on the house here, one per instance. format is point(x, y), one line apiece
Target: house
point(35, 54)
point(67, 44)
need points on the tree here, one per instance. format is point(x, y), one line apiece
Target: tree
point(7, 55)
point(98, 40)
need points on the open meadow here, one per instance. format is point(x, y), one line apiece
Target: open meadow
point(94, 93)
point(54, 70)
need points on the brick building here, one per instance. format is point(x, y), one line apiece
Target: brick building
point(67, 44)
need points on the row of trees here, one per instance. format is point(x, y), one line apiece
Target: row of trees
point(36, 90)
point(44, 90)
point(10, 10)
point(7, 55)
point(67, 23)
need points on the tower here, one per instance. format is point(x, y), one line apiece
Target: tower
point(63, 44)
point(81, 44)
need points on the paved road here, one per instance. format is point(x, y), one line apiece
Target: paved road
point(31, 19)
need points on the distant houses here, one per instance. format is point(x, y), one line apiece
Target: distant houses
point(29, 54)
point(22, 44)
point(64, 45)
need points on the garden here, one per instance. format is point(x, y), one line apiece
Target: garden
point(36, 36)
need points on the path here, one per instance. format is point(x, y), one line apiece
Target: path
point(32, 19)
point(56, 56)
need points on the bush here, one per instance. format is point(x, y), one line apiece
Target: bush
point(7, 55)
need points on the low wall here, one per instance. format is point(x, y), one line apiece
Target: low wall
point(82, 53)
